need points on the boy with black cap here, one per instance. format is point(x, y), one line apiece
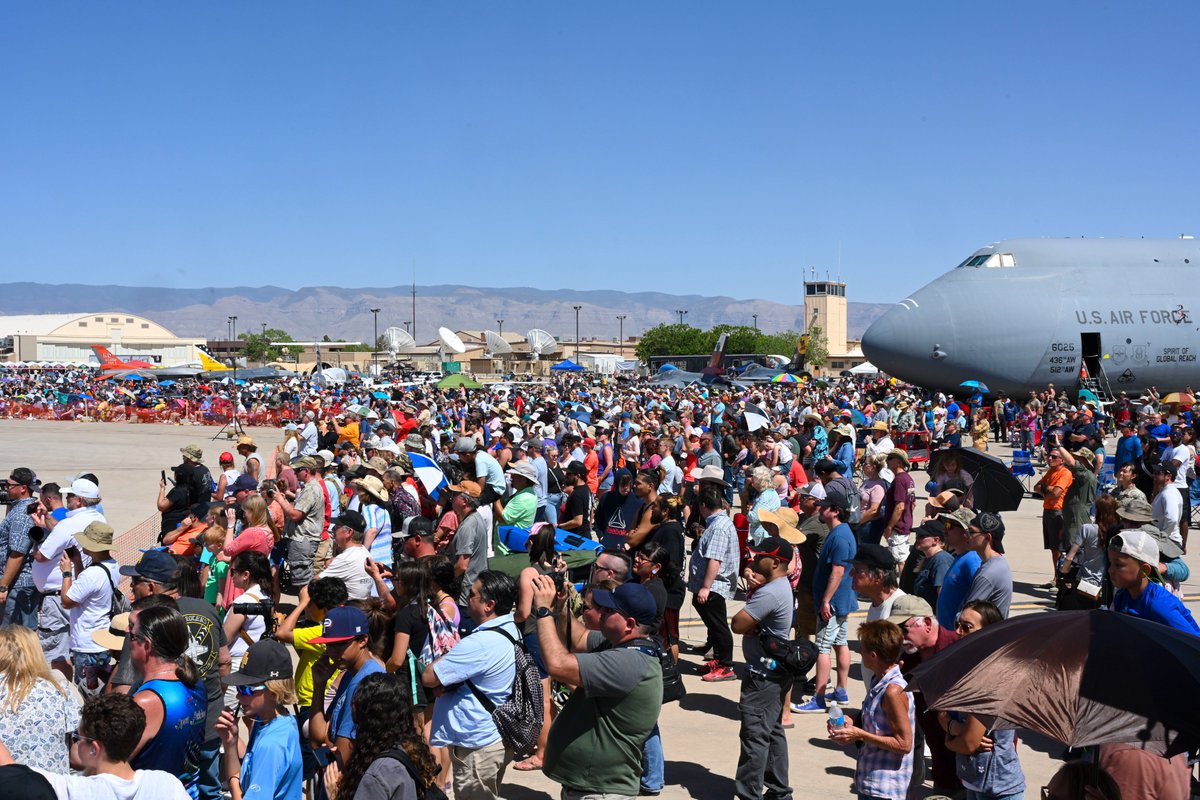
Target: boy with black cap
point(764, 753)
point(993, 582)
point(272, 765)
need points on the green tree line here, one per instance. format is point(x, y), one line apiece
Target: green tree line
point(684, 340)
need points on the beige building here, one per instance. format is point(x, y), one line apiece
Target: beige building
point(825, 307)
point(63, 338)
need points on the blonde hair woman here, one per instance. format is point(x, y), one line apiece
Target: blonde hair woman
point(38, 712)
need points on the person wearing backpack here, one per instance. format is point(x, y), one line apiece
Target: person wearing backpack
point(595, 744)
point(90, 596)
point(483, 666)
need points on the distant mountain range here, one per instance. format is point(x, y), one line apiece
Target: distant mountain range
point(315, 311)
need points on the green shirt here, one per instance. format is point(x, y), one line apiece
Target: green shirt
point(1081, 494)
point(595, 743)
point(521, 508)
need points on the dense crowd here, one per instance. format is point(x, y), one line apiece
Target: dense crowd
point(491, 580)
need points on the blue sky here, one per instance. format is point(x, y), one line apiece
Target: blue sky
point(691, 147)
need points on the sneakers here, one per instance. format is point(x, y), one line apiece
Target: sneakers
point(710, 665)
point(813, 706)
point(838, 695)
point(695, 649)
point(720, 673)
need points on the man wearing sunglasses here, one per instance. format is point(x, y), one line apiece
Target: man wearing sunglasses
point(17, 593)
point(957, 582)
point(110, 727)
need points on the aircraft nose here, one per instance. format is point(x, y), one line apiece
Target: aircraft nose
point(907, 340)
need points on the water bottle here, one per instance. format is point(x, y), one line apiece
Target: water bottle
point(769, 664)
point(836, 718)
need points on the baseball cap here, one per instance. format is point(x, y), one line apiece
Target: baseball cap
point(351, 519)
point(589, 442)
point(265, 660)
point(632, 600)
point(991, 523)
point(875, 556)
point(961, 517)
point(225, 458)
point(930, 528)
point(344, 623)
point(1136, 544)
point(245, 483)
point(305, 462)
point(154, 565)
point(775, 546)
point(82, 487)
point(465, 444)
point(907, 606)
point(806, 490)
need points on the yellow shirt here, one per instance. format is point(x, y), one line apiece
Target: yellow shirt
point(309, 653)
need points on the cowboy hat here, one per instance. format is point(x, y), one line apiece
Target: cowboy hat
point(784, 519)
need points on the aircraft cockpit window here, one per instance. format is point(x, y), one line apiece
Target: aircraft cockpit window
point(1007, 260)
point(977, 261)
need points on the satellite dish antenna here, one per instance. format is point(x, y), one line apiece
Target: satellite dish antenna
point(540, 343)
point(448, 342)
point(398, 340)
point(497, 345)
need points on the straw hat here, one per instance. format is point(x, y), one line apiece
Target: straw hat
point(114, 637)
point(784, 520)
point(373, 486)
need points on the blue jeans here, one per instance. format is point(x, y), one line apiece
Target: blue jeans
point(550, 511)
point(21, 608)
point(209, 781)
point(653, 762)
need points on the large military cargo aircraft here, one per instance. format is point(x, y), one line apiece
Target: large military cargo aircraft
point(1110, 315)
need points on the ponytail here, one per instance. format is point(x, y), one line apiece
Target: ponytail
point(187, 671)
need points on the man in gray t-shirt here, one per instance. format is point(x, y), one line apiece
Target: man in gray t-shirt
point(470, 545)
point(764, 753)
point(993, 582)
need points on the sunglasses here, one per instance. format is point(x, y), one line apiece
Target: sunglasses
point(77, 737)
point(250, 691)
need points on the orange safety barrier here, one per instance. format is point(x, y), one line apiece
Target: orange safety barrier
point(174, 413)
point(128, 547)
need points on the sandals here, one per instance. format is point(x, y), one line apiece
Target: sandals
point(528, 765)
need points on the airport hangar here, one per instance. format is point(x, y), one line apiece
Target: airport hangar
point(68, 339)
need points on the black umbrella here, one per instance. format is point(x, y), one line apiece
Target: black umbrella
point(995, 488)
point(1080, 677)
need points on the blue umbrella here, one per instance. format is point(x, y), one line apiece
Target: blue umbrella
point(978, 386)
point(240, 382)
point(581, 416)
point(426, 470)
point(134, 377)
point(857, 417)
point(380, 395)
point(166, 383)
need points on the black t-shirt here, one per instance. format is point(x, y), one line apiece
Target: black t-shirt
point(412, 621)
point(178, 497)
point(579, 503)
point(670, 536)
point(656, 588)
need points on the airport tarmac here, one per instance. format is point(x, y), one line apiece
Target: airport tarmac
point(700, 736)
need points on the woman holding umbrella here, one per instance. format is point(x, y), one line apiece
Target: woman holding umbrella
point(987, 763)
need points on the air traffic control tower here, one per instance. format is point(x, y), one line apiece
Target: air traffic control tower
point(825, 307)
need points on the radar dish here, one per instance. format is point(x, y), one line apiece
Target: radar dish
point(450, 342)
point(496, 344)
point(398, 340)
point(540, 343)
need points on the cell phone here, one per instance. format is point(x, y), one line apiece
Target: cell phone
point(164, 475)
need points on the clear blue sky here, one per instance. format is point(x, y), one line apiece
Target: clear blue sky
point(714, 148)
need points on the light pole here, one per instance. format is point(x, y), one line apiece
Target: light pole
point(500, 322)
point(407, 323)
point(233, 338)
point(577, 333)
point(375, 345)
point(621, 341)
point(680, 312)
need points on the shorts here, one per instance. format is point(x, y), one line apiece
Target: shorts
point(1052, 529)
point(1185, 493)
point(535, 652)
point(300, 555)
point(669, 630)
point(54, 629)
point(831, 634)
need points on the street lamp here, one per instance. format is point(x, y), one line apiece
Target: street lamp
point(755, 321)
point(233, 338)
point(407, 323)
point(500, 322)
point(680, 312)
point(621, 319)
point(375, 345)
point(577, 333)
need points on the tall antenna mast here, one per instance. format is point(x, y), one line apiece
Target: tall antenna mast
point(414, 300)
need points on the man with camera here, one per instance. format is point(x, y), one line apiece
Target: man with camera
point(307, 553)
point(54, 538)
point(17, 591)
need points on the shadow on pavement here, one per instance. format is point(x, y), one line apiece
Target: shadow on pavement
point(711, 704)
point(698, 781)
point(512, 791)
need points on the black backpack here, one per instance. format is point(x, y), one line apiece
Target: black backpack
point(519, 719)
point(432, 792)
point(793, 658)
point(673, 688)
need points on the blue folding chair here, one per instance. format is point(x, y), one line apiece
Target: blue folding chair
point(1022, 468)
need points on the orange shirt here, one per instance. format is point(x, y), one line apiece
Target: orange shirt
point(592, 462)
point(1058, 476)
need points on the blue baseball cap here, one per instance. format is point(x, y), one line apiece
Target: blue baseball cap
point(341, 624)
point(245, 483)
point(154, 565)
point(631, 599)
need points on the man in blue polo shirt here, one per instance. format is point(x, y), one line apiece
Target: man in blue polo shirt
point(961, 574)
point(482, 663)
point(1129, 447)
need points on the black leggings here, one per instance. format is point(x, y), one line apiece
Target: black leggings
point(715, 619)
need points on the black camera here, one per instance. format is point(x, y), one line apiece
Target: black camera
point(264, 609)
point(560, 580)
point(37, 534)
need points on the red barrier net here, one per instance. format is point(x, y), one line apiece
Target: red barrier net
point(173, 414)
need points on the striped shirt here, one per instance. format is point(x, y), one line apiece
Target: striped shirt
point(720, 542)
point(882, 773)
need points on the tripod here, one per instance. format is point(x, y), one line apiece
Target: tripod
point(233, 428)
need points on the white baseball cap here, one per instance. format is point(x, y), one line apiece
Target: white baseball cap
point(82, 487)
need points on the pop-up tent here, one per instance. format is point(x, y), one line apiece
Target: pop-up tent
point(566, 365)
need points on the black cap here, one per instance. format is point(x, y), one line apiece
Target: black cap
point(351, 519)
point(875, 556)
point(930, 528)
point(991, 523)
point(266, 660)
point(774, 546)
point(825, 466)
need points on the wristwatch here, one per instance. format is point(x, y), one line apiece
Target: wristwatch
point(67, 574)
point(543, 612)
point(3, 589)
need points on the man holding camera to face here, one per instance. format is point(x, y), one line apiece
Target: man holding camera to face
point(17, 592)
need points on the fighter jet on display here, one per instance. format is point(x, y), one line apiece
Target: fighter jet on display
point(109, 362)
point(713, 373)
point(1108, 315)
